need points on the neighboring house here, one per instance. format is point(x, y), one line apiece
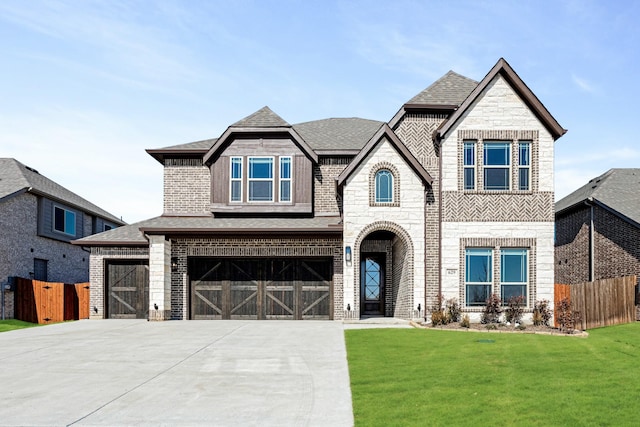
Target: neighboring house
point(347, 218)
point(38, 220)
point(598, 229)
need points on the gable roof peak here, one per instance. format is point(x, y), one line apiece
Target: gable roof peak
point(263, 118)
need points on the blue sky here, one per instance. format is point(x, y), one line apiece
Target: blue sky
point(87, 86)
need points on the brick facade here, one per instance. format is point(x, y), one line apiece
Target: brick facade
point(325, 196)
point(187, 187)
point(615, 244)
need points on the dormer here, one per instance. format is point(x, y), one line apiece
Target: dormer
point(260, 164)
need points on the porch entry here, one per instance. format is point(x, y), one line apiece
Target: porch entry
point(372, 281)
point(241, 288)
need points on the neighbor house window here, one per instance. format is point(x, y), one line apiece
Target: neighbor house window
point(40, 269)
point(497, 165)
point(524, 165)
point(236, 179)
point(260, 179)
point(285, 179)
point(513, 273)
point(64, 221)
point(469, 165)
point(478, 275)
point(107, 227)
point(384, 186)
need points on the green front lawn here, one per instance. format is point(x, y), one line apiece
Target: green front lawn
point(418, 377)
point(11, 324)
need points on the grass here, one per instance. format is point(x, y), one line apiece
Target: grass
point(417, 377)
point(12, 324)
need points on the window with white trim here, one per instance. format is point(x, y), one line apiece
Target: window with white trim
point(236, 179)
point(384, 186)
point(469, 164)
point(64, 221)
point(513, 273)
point(524, 165)
point(497, 165)
point(260, 179)
point(478, 275)
point(285, 179)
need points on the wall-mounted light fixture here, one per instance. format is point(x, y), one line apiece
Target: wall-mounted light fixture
point(347, 254)
point(348, 307)
point(95, 309)
point(174, 264)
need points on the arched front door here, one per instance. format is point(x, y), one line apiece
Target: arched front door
point(372, 284)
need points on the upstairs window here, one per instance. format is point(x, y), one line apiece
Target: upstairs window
point(524, 165)
point(469, 162)
point(261, 179)
point(64, 221)
point(384, 186)
point(285, 179)
point(236, 179)
point(497, 165)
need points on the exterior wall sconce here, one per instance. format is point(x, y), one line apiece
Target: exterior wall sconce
point(347, 254)
point(348, 307)
point(174, 264)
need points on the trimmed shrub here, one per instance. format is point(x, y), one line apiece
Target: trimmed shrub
point(465, 323)
point(492, 310)
point(567, 317)
point(542, 313)
point(515, 309)
point(453, 309)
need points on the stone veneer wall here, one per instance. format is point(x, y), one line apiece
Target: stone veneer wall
point(187, 187)
point(99, 255)
point(182, 249)
point(325, 198)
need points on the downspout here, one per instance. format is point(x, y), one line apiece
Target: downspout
point(589, 203)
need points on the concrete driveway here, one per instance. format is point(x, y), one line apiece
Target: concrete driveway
point(214, 373)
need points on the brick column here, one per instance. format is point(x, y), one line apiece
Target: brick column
point(159, 278)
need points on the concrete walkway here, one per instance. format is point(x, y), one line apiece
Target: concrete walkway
point(214, 373)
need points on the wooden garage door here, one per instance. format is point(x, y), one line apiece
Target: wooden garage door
point(286, 288)
point(127, 289)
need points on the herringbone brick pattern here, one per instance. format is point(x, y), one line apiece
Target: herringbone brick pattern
point(507, 206)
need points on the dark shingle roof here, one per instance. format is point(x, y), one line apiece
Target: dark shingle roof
point(337, 134)
point(204, 145)
point(450, 89)
point(132, 234)
point(618, 189)
point(264, 117)
point(16, 177)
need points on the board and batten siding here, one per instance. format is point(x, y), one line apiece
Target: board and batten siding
point(301, 183)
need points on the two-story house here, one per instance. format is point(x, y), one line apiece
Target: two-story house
point(346, 218)
point(38, 220)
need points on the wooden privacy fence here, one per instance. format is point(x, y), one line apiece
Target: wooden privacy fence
point(47, 302)
point(601, 303)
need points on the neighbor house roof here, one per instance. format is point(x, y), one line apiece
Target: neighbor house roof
point(200, 225)
point(16, 178)
point(504, 69)
point(616, 190)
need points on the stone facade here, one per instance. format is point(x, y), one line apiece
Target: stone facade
point(406, 221)
point(187, 187)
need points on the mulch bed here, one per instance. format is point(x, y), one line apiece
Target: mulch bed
point(501, 328)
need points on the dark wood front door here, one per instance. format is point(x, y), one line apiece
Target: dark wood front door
point(127, 289)
point(286, 288)
point(372, 284)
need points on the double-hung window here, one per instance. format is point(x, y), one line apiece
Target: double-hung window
point(524, 165)
point(285, 179)
point(236, 179)
point(513, 273)
point(64, 221)
point(478, 275)
point(384, 186)
point(469, 162)
point(497, 161)
point(260, 179)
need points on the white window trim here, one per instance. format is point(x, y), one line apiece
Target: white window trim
point(525, 283)
point(281, 179)
point(527, 167)
point(491, 278)
point(509, 167)
point(391, 190)
point(232, 180)
point(272, 179)
point(53, 220)
point(474, 166)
